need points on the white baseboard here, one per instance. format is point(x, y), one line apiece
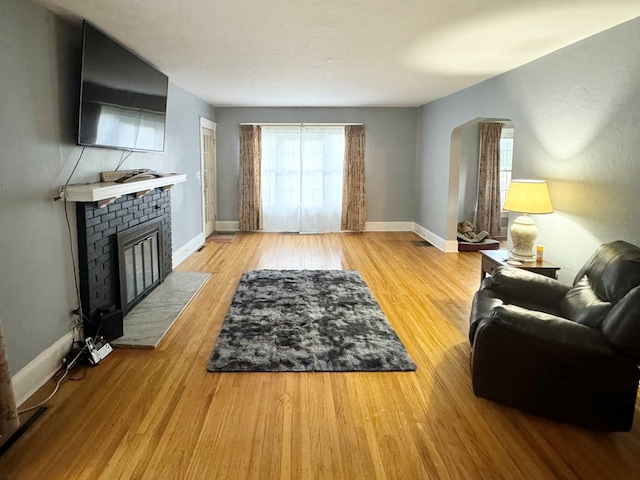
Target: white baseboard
point(439, 242)
point(233, 226)
point(447, 246)
point(28, 380)
point(389, 227)
point(227, 226)
point(187, 249)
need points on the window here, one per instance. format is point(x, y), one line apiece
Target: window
point(302, 173)
point(506, 161)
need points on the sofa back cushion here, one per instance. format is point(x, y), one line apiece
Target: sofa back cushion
point(622, 326)
point(612, 271)
point(582, 305)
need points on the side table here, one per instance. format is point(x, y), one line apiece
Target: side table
point(496, 258)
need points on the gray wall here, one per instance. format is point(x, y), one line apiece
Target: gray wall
point(39, 88)
point(468, 182)
point(390, 155)
point(576, 114)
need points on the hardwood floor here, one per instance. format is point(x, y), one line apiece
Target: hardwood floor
point(159, 415)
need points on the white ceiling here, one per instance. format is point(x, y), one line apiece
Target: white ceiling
point(342, 52)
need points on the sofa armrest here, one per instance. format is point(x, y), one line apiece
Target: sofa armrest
point(522, 286)
point(553, 331)
point(483, 303)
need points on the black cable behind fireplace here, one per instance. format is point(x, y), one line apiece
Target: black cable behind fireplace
point(140, 253)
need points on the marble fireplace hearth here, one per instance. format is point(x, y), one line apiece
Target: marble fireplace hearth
point(147, 324)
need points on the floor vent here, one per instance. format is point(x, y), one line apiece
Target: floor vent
point(421, 243)
point(6, 443)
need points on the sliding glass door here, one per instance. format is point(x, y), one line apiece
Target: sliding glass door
point(302, 172)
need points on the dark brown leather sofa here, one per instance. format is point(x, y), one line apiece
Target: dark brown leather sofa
point(566, 352)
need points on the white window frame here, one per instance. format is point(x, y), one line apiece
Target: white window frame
point(506, 150)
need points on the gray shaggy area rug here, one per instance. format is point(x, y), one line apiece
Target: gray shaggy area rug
point(306, 320)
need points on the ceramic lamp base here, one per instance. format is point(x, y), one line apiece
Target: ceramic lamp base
point(523, 235)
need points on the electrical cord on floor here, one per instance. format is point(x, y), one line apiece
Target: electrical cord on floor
point(67, 369)
point(83, 370)
point(48, 398)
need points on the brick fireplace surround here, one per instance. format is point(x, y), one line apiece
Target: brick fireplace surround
point(98, 247)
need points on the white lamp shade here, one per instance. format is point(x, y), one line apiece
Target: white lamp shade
point(528, 196)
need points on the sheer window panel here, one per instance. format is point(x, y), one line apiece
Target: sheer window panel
point(302, 178)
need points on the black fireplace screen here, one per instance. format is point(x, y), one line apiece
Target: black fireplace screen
point(139, 260)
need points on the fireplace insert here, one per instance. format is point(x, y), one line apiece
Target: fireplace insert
point(139, 254)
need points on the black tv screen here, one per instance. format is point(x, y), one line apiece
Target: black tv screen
point(123, 100)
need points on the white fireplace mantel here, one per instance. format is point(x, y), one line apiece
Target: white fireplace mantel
point(107, 192)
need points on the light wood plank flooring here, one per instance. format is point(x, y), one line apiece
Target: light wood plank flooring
point(159, 414)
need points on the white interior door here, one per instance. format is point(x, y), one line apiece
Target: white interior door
point(208, 175)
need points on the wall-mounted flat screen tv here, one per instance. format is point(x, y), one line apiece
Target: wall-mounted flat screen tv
point(123, 100)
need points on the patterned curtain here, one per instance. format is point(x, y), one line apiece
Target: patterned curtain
point(9, 421)
point(353, 192)
point(250, 159)
point(488, 208)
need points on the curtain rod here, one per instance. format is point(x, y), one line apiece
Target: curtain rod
point(300, 124)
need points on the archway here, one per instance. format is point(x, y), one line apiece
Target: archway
point(463, 172)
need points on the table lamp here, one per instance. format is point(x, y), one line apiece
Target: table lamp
point(526, 197)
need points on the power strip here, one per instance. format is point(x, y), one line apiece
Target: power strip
point(104, 350)
point(97, 352)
